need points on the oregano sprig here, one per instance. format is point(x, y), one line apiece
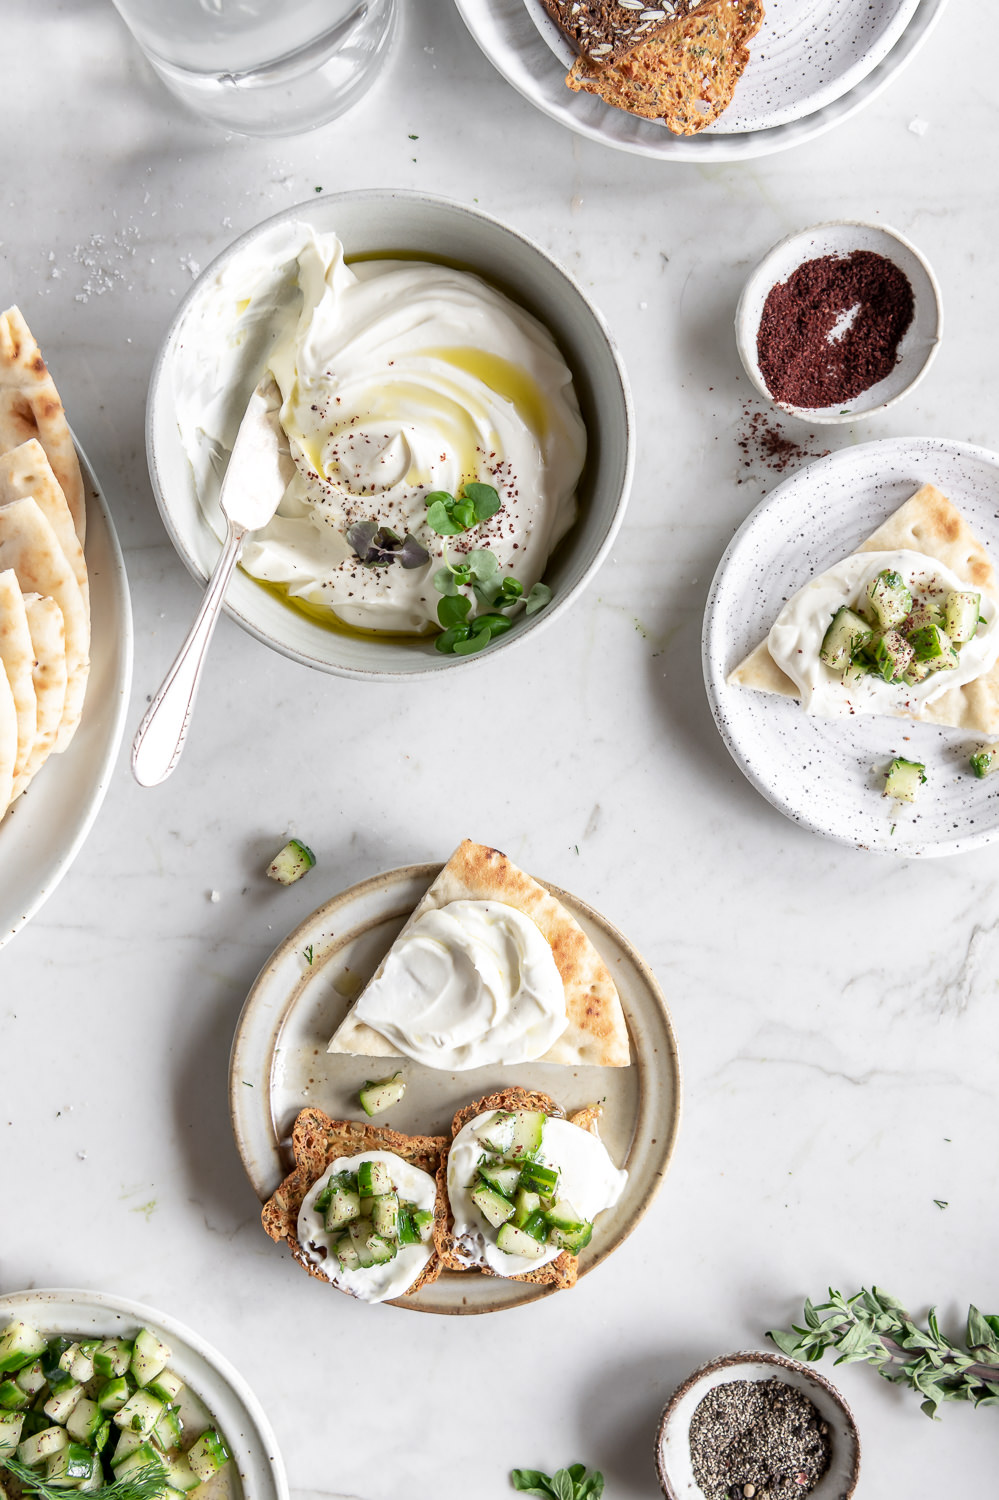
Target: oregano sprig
point(573, 1483)
point(873, 1326)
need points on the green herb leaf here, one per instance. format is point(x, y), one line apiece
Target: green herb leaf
point(453, 609)
point(448, 639)
point(539, 596)
point(439, 519)
point(484, 498)
point(142, 1484)
point(308, 954)
point(562, 1486)
point(444, 581)
point(482, 563)
point(530, 1481)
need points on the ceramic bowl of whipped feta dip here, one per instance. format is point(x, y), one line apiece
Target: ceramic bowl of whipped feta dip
point(457, 426)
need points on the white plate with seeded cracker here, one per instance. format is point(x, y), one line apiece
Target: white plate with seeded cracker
point(813, 64)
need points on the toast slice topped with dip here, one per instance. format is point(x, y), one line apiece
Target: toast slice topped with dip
point(907, 625)
point(490, 968)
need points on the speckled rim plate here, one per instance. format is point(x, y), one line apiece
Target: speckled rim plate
point(208, 1374)
point(507, 33)
point(828, 775)
point(44, 831)
point(279, 1064)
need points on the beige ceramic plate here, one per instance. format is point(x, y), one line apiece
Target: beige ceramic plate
point(280, 1064)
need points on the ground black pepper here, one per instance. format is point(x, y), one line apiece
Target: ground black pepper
point(832, 330)
point(758, 1439)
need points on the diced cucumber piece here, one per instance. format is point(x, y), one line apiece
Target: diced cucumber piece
point(85, 1420)
point(166, 1385)
point(424, 1220)
point(904, 779)
point(12, 1398)
point(61, 1403)
point(139, 1458)
point(408, 1232)
point(140, 1413)
point(31, 1378)
point(933, 646)
point(19, 1345)
point(381, 1249)
point(528, 1133)
point(360, 1232)
point(889, 598)
point(344, 1206)
point(113, 1395)
point(208, 1455)
point(923, 612)
point(960, 615)
point(385, 1216)
point(526, 1204)
point(496, 1134)
point(514, 1241)
point(291, 863)
point(539, 1179)
point(373, 1179)
point(112, 1357)
point(11, 1424)
point(34, 1450)
point(562, 1215)
point(346, 1253)
point(494, 1208)
point(126, 1444)
point(572, 1240)
point(102, 1436)
point(169, 1429)
point(916, 672)
point(536, 1225)
point(96, 1480)
point(856, 671)
point(502, 1177)
point(847, 635)
point(893, 655)
point(180, 1475)
point(77, 1363)
point(983, 762)
point(149, 1357)
point(380, 1094)
point(70, 1466)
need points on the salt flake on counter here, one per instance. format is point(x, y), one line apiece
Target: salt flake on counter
point(919, 126)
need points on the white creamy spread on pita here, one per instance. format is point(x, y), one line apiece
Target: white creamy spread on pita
point(466, 985)
point(795, 638)
point(587, 1178)
point(398, 379)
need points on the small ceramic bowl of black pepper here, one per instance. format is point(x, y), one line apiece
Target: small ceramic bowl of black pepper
point(757, 1426)
point(839, 322)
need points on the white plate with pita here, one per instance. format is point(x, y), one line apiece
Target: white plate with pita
point(279, 1064)
point(44, 830)
point(827, 775)
point(813, 65)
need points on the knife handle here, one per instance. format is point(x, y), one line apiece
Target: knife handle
point(160, 737)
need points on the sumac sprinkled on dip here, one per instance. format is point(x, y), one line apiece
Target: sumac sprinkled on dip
point(832, 330)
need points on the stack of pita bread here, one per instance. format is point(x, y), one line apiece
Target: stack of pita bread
point(44, 594)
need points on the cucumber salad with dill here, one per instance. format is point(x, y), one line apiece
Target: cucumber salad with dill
point(98, 1416)
point(900, 636)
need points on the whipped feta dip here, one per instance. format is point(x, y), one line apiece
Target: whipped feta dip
point(466, 985)
point(587, 1178)
point(398, 378)
point(795, 638)
point(371, 1283)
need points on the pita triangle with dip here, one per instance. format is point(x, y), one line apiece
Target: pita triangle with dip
point(930, 524)
point(596, 1033)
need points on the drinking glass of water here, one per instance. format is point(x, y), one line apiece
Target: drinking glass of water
point(264, 67)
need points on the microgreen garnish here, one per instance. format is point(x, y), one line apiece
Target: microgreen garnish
point(142, 1484)
point(307, 954)
point(872, 1326)
point(539, 596)
point(941, 1202)
point(573, 1483)
point(377, 546)
point(449, 517)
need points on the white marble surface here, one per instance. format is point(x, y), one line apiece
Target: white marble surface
point(836, 1012)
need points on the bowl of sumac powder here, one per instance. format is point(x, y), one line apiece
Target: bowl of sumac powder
point(757, 1426)
point(839, 321)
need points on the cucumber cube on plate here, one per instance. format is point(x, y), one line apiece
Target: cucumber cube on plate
point(35, 1449)
point(495, 1209)
point(933, 646)
point(496, 1134)
point(113, 1395)
point(61, 1403)
point(904, 779)
point(380, 1094)
point(71, 1466)
point(12, 1397)
point(139, 1458)
point(166, 1385)
point(373, 1179)
point(291, 863)
point(385, 1215)
point(85, 1420)
point(960, 615)
point(893, 655)
point(889, 598)
point(140, 1413)
point(208, 1455)
point(984, 760)
point(11, 1424)
point(112, 1357)
point(848, 634)
point(149, 1357)
point(31, 1378)
point(514, 1241)
point(19, 1345)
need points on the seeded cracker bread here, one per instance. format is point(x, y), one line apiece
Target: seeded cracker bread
point(316, 1142)
point(605, 31)
point(686, 77)
point(560, 1273)
point(928, 523)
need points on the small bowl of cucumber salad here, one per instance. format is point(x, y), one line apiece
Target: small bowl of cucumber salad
point(95, 1390)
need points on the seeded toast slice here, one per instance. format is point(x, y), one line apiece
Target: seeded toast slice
point(560, 1273)
point(317, 1141)
point(685, 76)
point(605, 31)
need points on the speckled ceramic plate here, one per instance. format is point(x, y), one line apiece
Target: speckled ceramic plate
point(828, 774)
point(45, 829)
point(215, 1392)
point(813, 64)
point(279, 1064)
